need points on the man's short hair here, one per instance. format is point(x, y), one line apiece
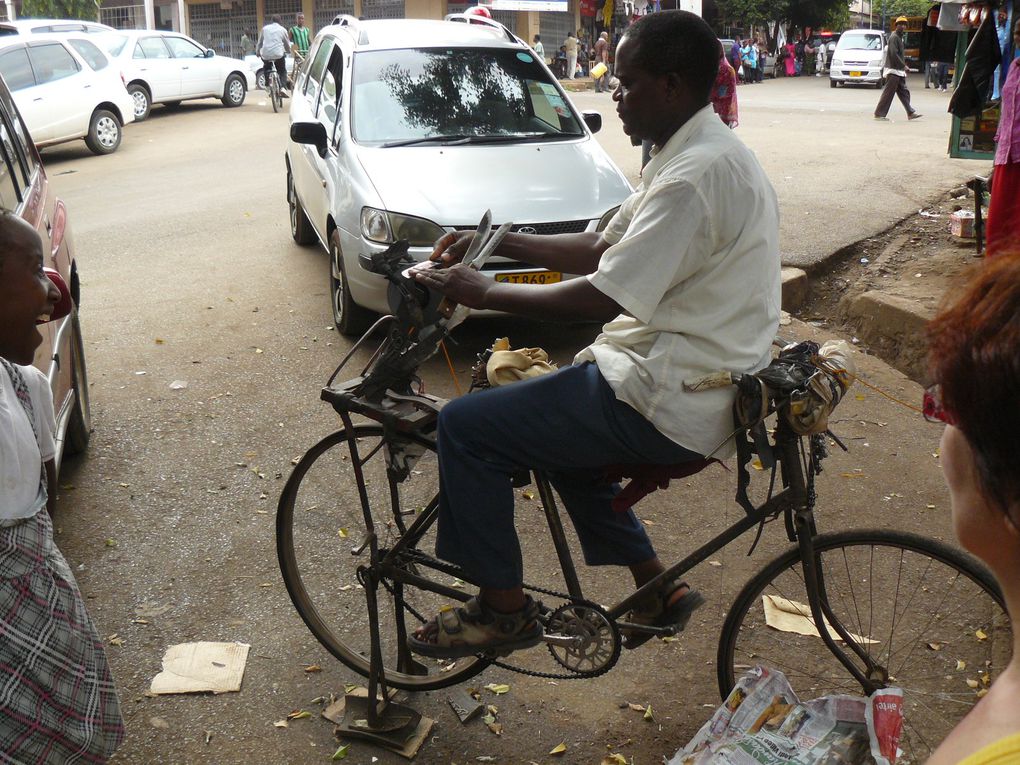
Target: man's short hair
point(275, 19)
point(677, 42)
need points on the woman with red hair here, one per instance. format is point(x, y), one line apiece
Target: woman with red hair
point(975, 362)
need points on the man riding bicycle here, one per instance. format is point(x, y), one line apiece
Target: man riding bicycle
point(686, 277)
point(272, 49)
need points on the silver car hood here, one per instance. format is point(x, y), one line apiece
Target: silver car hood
point(454, 185)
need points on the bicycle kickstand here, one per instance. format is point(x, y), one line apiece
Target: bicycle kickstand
point(374, 717)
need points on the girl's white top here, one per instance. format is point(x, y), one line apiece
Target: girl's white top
point(22, 494)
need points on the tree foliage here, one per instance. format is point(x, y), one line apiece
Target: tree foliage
point(87, 10)
point(896, 8)
point(833, 14)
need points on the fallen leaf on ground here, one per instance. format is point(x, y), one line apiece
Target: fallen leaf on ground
point(614, 759)
point(528, 494)
point(340, 753)
point(980, 635)
point(558, 749)
point(313, 668)
point(298, 714)
point(637, 707)
point(498, 688)
point(281, 724)
point(935, 646)
point(648, 713)
point(972, 683)
point(961, 664)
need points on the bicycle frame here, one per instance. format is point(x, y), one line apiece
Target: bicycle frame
point(794, 502)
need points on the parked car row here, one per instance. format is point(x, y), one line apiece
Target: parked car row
point(74, 80)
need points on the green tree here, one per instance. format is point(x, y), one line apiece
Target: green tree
point(838, 18)
point(793, 13)
point(87, 10)
point(896, 8)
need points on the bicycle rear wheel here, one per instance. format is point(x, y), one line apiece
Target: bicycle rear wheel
point(928, 616)
point(274, 93)
point(320, 522)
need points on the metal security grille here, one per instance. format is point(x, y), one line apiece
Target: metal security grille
point(221, 29)
point(287, 10)
point(123, 16)
point(327, 10)
point(553, 27)
point(383, 9)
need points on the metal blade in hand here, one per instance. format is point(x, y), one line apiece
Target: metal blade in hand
point(479, 239)
point(490, 247)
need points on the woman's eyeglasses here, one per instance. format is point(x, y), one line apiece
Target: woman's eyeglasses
point(932, 407)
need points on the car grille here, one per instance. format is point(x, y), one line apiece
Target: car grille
point(557, 227)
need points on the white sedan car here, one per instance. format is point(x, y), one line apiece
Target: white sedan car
point(167, 68)
point(66, 88)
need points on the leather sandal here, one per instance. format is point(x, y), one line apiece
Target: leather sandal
point(475, 628)
point(661, 613)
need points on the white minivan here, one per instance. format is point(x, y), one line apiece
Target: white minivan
point(858, 58)
point(408, 129)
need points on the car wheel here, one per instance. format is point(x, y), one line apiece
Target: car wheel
point(300, 227)
point(104, 132)
point(349, 317)
point(79, 426)
point(142, 99)
point(233, 91)
point(832, 83)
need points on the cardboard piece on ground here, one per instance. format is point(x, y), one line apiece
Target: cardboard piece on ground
point(790, 616)
point(201, 667)
point(410, 746)
point(466, 706)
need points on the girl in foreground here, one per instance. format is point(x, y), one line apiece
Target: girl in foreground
point(57, 700)
point(975, 362)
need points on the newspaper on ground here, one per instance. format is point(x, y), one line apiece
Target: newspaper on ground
point(762, 722)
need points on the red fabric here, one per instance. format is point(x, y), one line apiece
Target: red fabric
point(647, 478)
point(1002, 230)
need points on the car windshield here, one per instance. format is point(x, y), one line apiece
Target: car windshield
point(854, 41)
point(112, 42)
point(462, 95)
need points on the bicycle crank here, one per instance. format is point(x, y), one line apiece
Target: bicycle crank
point(582, 638)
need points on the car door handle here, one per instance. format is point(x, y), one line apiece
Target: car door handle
point(35, 100)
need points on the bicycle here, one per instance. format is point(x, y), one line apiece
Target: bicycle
point(274, 89)
point(887, 607)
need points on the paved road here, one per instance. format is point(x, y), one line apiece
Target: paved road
point(189, 274)
point(840, 175)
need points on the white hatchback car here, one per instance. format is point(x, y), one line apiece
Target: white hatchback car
point(408, 129)
point(167, 68)
point(66, 89)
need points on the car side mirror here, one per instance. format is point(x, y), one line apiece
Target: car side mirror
point(593, 120)
point(311, 133)
point(209, 53)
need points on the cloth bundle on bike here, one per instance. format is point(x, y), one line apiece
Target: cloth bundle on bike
point(506, 365)
point(813, 379)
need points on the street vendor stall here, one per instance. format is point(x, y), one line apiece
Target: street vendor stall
point(966, 33)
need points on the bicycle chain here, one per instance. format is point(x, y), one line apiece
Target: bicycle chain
point(455, 571)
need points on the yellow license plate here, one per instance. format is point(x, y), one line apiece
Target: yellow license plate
point(531, 277)
point(856, 74)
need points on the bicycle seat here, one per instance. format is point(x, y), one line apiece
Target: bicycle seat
point(646, 478)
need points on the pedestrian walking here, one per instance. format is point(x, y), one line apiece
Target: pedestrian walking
point(601, 62)
point(790, 59)
point(570, 46)
point(539, 48)
point(894, 67)
point(1003, 229)
point(749, 60)
point(59, 704)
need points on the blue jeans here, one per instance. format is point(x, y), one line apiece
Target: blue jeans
point(568, 424)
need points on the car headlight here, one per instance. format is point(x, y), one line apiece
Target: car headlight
point(837, 62)
point(604, 220)
point(386, 228)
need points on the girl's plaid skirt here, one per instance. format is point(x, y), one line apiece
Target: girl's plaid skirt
point(57, 699)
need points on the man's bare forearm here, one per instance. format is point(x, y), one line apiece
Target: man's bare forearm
point(573, 300)
point(568, 253)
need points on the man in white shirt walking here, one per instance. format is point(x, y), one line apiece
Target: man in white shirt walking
point(686, 279)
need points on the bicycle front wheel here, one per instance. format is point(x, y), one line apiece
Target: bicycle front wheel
point(274, 94)
point(929, 618)
point(320, 526)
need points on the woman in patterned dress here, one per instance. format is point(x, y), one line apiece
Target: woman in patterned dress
point(58, 703)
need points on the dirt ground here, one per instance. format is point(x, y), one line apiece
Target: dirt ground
point(882, 290)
